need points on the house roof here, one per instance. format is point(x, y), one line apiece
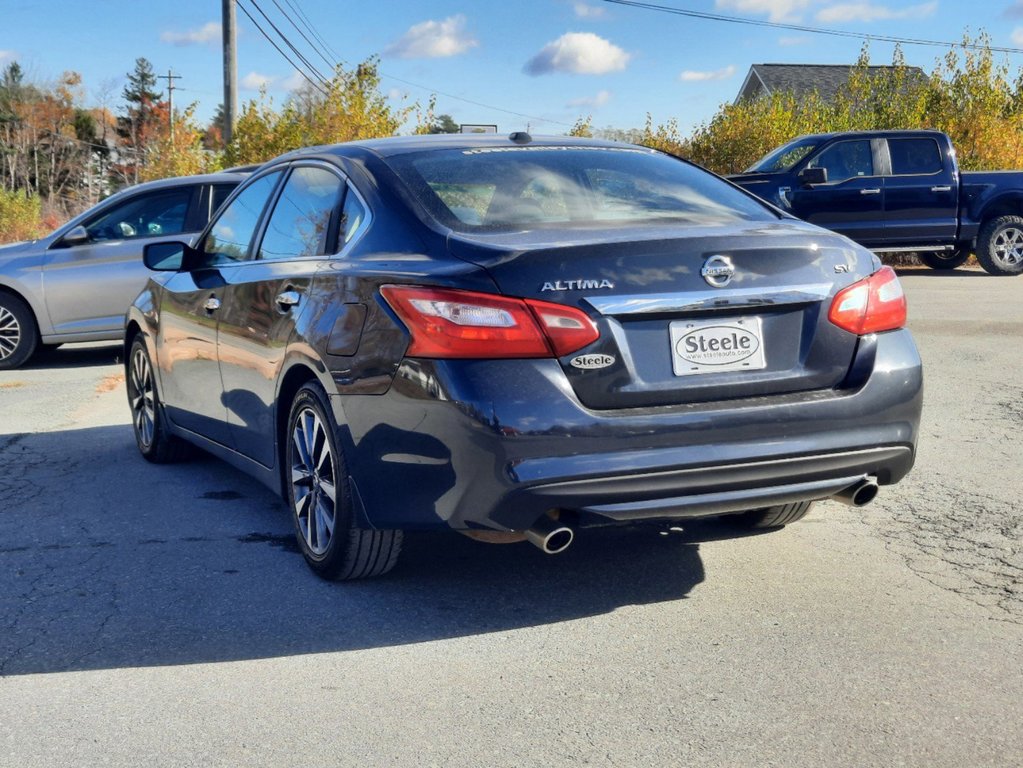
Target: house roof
point(803, 79)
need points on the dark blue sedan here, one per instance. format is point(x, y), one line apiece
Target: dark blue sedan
point(516, 338)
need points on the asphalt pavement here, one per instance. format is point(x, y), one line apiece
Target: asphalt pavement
point(160, 615)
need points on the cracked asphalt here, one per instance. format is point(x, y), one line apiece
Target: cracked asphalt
point(162, 616)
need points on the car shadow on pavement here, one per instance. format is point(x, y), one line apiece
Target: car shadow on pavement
point(75, 356)
point(107, 561)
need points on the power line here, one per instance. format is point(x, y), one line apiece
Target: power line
point(288, 43)
point(311, 82)
point(293, 4)
point(803, 28)
point(312, 45)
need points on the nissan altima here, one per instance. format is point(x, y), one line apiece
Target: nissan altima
point(518, 338)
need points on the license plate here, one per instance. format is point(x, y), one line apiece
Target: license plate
point(717, 346)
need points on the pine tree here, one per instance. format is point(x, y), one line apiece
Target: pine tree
point(139, 124)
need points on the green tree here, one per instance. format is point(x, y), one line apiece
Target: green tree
point(444, 124)
point(141, 121)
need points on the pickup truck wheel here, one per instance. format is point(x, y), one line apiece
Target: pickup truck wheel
point(944, 259)
point(1000, 245)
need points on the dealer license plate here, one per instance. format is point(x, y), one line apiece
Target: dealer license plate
point(716, 346)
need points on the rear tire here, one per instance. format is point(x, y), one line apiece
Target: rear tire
point(944, 260)
point(319, 495)
point(774, 517)
point(155, 443)
point(1000, 246)
point(19, 333)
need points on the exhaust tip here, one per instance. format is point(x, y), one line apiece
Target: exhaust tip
point(859, 494)
point(864, 494)
point(550, 536)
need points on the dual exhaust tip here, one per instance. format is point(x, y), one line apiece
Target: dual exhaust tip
point(553, 537)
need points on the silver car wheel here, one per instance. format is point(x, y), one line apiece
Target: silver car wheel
point(10, 333)
point(143, 409)
point(313, 481)
point(1008, 247)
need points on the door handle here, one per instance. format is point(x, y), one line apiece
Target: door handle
point(870, 191)
point(212, 304)
point(288, 299)
point(941, 189)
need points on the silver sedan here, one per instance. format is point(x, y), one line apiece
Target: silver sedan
point(76, 283)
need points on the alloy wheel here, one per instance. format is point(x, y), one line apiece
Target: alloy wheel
point(1008, 246)
point(143, 405)
point(313, 481)
point(10, 333)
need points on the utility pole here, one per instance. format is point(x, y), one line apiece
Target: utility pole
point(170, 77)
point(230, 69)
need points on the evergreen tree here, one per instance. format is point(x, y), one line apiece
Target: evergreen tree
point(139, 125)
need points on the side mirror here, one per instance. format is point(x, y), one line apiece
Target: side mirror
point(167, 256)
point(75, 236)
point(814, 176)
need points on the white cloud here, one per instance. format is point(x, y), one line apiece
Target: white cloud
point(586, 11)
point(691, 76)
point(207, 33)
point(293, 82)
point(790, 41)
point(580, 53)
point(868, 11)
point(775, 10)
point(433, 40)
point(599, 100)
point(254, 81)
point(1017, 37)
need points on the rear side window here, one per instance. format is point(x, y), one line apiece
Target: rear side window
point(352, 217)
point(300, 220)
point(509, 188)
point(915, 156)
point(220, 193)
point(232, 232)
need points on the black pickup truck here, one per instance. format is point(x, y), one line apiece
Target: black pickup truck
point(897, 191)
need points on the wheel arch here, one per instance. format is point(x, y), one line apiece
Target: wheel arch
point(1007, 204)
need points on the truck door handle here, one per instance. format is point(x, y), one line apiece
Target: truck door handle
point(288, 299)
point(941, 189)
point(870, 191)
point(212, 304)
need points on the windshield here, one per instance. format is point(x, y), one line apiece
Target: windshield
point(784, 157)
point(511, 188)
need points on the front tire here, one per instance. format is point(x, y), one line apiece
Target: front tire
point(1000, 246)
point(944, 260)
point(319, 494)
point(774, 517)
point(19, 333)
point(151, 435)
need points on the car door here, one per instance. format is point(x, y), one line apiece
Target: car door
point(189, 302)
point(265, 297)
point(852, 200)
point(921, 197)
point(88, 287)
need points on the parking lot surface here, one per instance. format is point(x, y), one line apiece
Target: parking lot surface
point(161, 615)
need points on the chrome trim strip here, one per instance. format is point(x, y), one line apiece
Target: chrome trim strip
point(703, 301)
point(914, 249)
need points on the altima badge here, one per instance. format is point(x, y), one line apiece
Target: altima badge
point(576, 285)
point(718, 271)
point(592, 362)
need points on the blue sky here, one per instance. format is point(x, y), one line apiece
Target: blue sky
point(546, 61)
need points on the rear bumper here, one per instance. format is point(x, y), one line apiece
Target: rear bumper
point(495, 444)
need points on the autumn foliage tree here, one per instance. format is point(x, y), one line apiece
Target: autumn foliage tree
point(348, 107)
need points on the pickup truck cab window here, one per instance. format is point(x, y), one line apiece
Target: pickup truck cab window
point(912, 157)
point(845, 160)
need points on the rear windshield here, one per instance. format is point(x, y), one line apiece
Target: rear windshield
point(508, 188)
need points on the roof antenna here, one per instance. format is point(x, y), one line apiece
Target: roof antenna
point(521, 137)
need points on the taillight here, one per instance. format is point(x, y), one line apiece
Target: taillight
point(874, 304)
point(450, 323)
